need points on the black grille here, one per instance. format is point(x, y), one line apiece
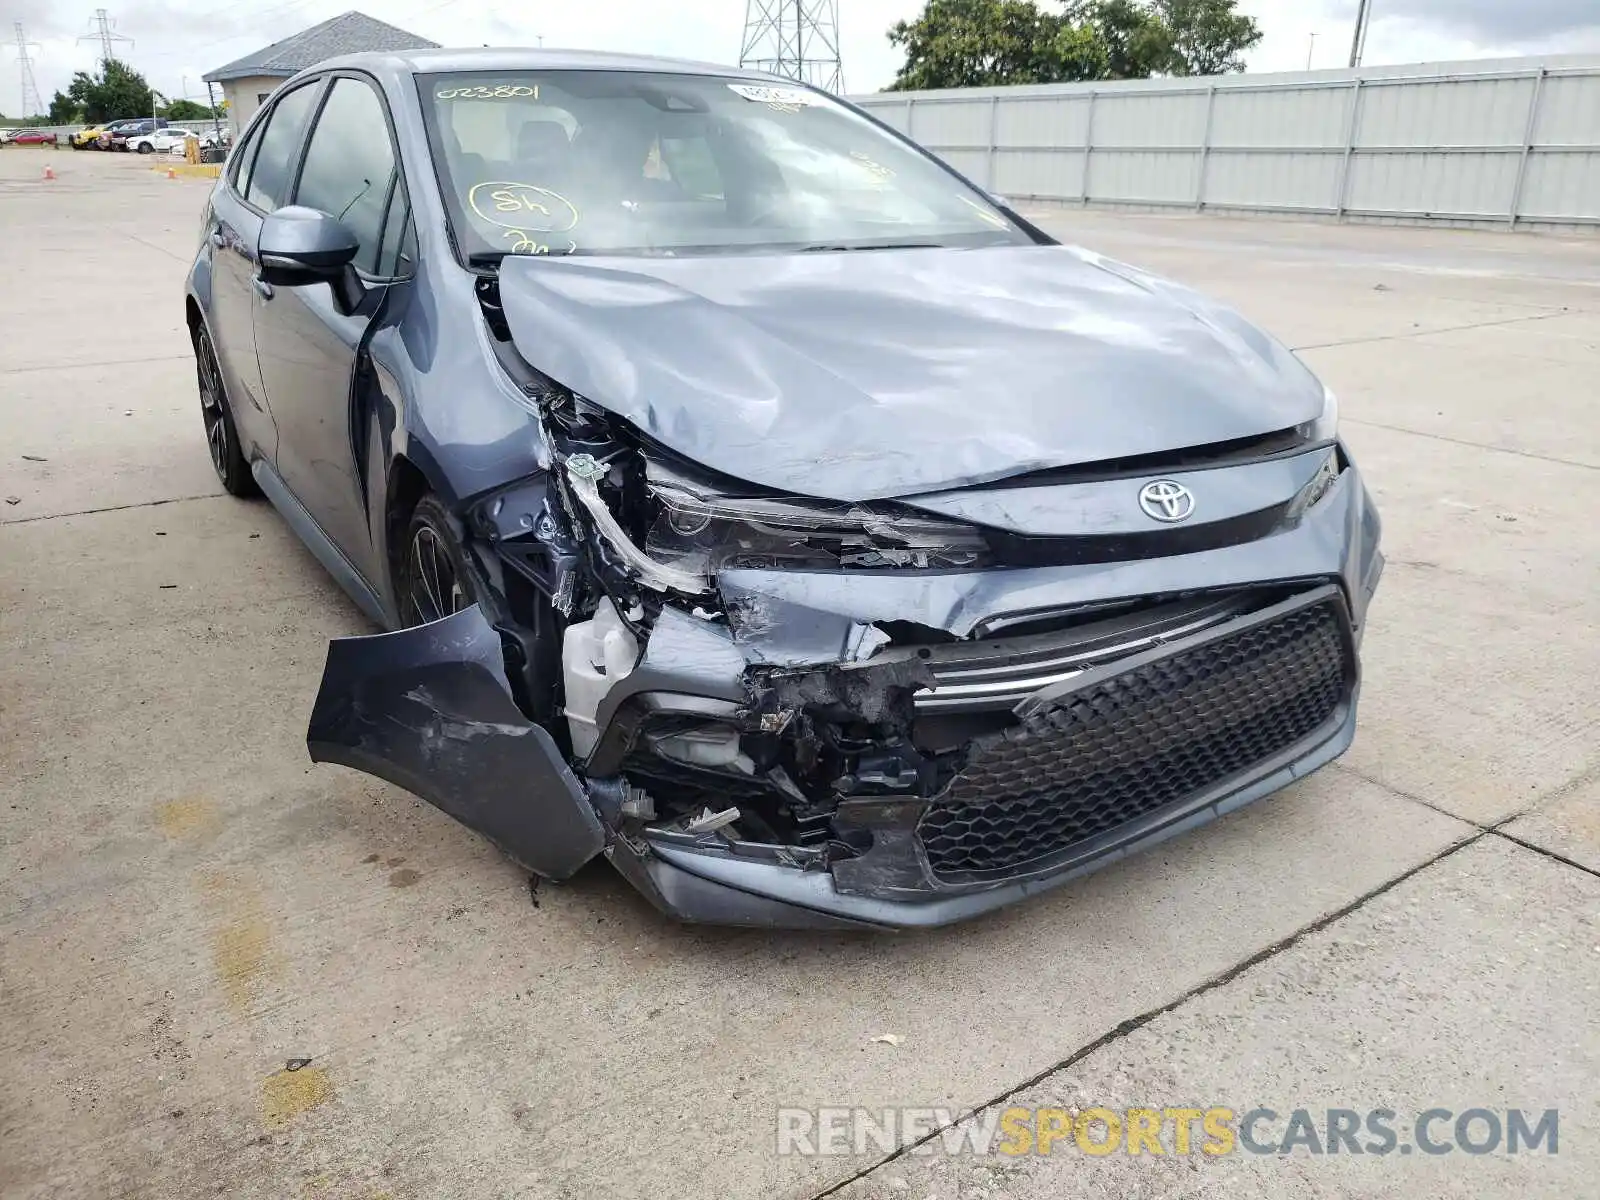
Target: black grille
point(1132, 744)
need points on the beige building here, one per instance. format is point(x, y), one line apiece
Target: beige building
point(248, 81)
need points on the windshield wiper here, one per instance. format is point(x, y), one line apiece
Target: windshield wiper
point(839, 247)
point(493, 258)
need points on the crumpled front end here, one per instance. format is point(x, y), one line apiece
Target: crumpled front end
point(855, 728)
point(785, 712)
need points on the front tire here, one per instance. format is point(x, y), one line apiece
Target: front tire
point(222, 438)
point(434, 578)
point(145, 147)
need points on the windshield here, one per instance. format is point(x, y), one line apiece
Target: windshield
point(627, 162)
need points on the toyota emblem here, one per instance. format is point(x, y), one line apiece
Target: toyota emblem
point(1166, 500)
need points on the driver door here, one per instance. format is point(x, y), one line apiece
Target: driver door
point(309, 344)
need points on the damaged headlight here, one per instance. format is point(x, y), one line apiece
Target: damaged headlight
point(702, 531)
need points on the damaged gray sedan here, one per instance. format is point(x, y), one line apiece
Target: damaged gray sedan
point(751, 500)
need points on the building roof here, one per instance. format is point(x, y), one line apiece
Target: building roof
point(348, 33)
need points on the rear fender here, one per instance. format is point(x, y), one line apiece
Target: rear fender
point(430, 710)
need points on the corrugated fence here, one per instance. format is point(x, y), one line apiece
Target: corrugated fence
point(1517, 145)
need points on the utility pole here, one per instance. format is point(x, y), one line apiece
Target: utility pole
point(105, 33)
point(1311, 53)
point(216, 114)
point(30, 86)
point(1358, 44)
point(798, 39)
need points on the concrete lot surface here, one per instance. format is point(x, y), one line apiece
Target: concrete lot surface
point(187, 904)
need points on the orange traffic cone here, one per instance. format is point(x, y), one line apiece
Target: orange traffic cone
point(171, 174)
point(49, 171)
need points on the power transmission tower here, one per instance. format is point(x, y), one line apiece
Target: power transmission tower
point(1358, 44)
point(798, 39)
point(32, 105)
point(106, 35)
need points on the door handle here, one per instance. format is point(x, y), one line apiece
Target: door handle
point(263, 288)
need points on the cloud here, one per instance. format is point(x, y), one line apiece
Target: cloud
point(1420, 30)
point(1510, 23)
point(175, 41)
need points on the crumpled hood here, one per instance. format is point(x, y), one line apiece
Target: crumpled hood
point(870, 374)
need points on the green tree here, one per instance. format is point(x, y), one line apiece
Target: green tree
point(1138, 43)
point(187, 110)
point(118, 91)
point(979, 43)
point(1206, 37)
point(64, 110)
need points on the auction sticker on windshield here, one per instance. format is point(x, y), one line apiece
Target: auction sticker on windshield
point(775, 97)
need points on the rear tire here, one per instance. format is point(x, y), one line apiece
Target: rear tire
point(222, 438)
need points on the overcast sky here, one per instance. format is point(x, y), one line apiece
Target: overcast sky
point(176, 41)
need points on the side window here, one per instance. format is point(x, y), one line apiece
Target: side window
point(397, 250)
point(350, 165)
point(242, 154)
point(280, 139)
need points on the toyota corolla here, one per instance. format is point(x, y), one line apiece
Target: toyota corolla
point(747, 498)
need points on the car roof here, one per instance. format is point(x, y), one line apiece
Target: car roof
point(413, 62)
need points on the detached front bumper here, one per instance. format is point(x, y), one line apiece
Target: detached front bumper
point(1241, 710)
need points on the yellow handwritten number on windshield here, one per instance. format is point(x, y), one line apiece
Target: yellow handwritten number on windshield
point(522, 206)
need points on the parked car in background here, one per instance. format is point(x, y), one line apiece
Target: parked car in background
point(119, 135)
point(163, 141)
point(86, 137)
point(35, 137)
point(6, 135)
point(110, 129)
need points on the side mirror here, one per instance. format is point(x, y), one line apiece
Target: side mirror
point(300, 246)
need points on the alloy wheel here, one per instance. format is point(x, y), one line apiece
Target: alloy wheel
point(432, 587)
point(211, 402)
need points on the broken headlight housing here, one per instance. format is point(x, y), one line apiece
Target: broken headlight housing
point(700, 530)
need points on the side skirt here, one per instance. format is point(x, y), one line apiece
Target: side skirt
point(308, 531)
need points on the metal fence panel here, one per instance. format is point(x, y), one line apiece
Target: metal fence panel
point(1502, 142)
point(959, 123)
point(1152, 119)
point(1432, 184)
point(1292, 117)
point(1478, 112)
point(1063, 122)
point(1562, 187)
point(1273, 180)
point(1144, 176)
point(1570, 112)
point(1038, 173)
